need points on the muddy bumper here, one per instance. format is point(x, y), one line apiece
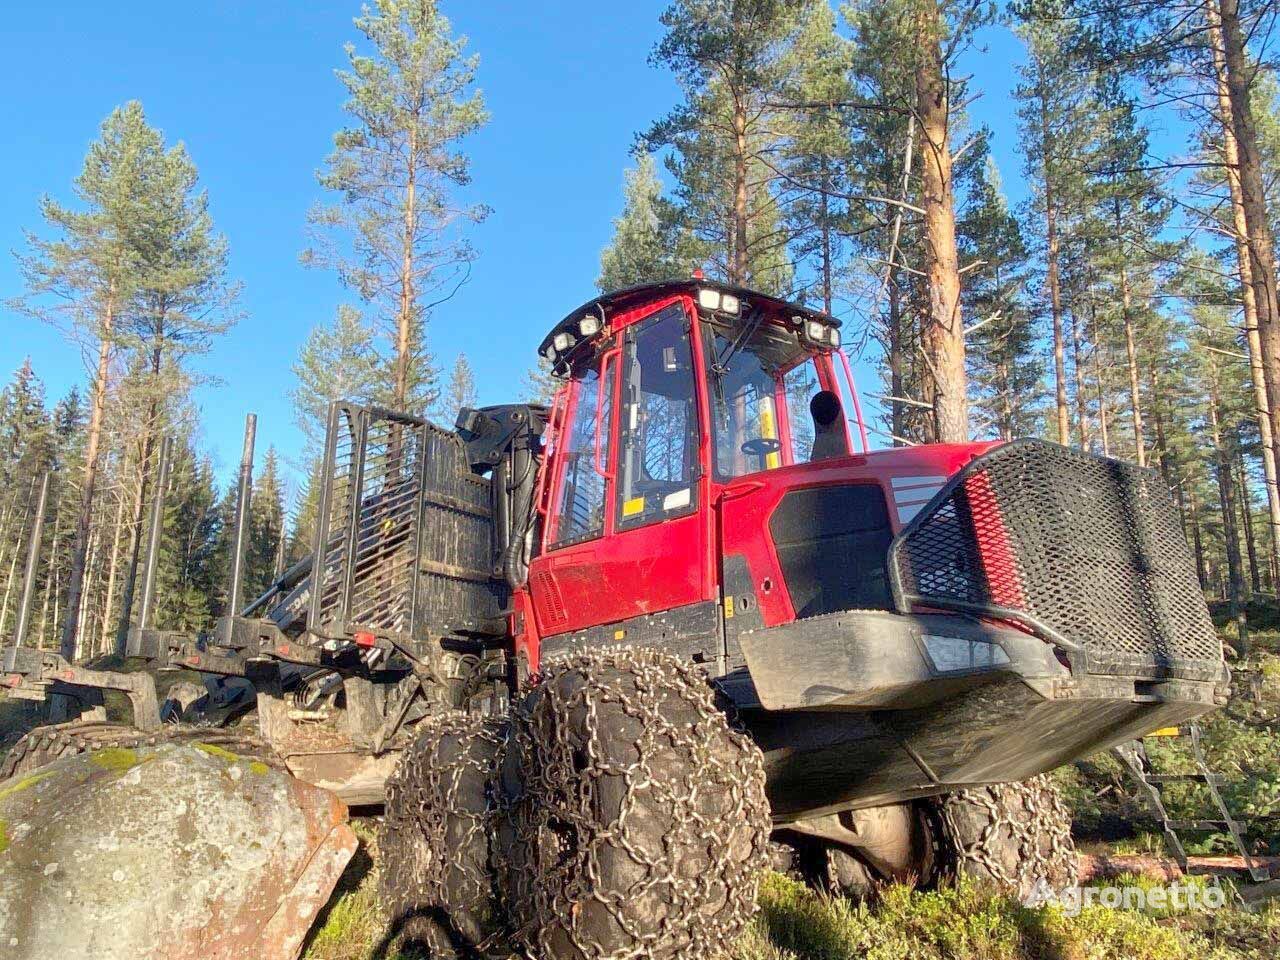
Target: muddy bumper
point(866, 707)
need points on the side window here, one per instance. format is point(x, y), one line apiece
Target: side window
point(801, 384)
point(658, 445)
point(580, 511)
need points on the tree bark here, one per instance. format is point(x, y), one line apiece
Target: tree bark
point(1230, 532)
point(942, 335)
point(1052, 277)
point(1254, 202)
point(897, 381)
point(828, 297)
point(1131, 354)
point(1196, 537)
point(1231, 156)
point(404, 322)
point(739, 265)
point(1100, 385)
point(1246, 521)
point(1077, 366)
point(112, 568)
point(92, 462)
point(140, 499)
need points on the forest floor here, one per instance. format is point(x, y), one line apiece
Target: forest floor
point(967, 922)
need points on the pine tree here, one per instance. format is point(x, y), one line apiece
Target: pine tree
point(647, 244)
point(27, 449)
point(728, 58)
point(266, 527)
point(1004, 370)
point(182, 301)
point(338, 361)
point(817, 154)
point(1056, 104)
point(461, 391)
point(82, 281)
point(883, 236)
point(397, 168)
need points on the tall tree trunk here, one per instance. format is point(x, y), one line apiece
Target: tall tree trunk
point(140, 499)
point(92, 462)
point(1100, 383)
point(18, 540)
point(82, 643)
point(1226, 497)
point(1246, 519)
point(897, 381)
point(50, 581)
point(1052, 276)
point(135, 535)
point(942, 334)
point(404, 321)
point(824, 201)
point(1131, 355)
point(1262, 262)
point(739, 264)
point(1157, 417)
point(1197, 539)
point(109, 601)
point(1231, 156)
point(1077, 366)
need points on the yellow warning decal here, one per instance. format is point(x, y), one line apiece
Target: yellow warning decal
point(728, 608)
point(633, 506)
point(1165, 732)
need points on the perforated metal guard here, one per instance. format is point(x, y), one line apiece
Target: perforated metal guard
point(1086, 551)
point(370, 518)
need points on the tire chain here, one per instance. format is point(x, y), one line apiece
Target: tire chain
point(435, 879)
point(44, 745)
point(1027, 822)
point(609, 743)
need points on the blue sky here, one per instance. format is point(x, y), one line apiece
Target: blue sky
point(249, 87)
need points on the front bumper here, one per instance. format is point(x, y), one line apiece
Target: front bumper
point(864, 707)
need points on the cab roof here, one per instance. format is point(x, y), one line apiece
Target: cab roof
point(619, 301)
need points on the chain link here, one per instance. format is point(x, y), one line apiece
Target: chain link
point(1015, 834)
point(634, 821)
point(434, 844)
point(47, 744)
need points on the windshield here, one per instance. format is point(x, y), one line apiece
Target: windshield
point(761, 386)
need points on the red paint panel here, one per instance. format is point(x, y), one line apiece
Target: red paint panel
point(998, 559)
point(747, 504)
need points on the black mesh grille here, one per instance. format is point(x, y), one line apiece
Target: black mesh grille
point(1087, 550)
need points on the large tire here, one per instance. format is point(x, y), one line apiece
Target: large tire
point(637, 824)
point(44, 745)
point(1015, 835)
point(434, 844)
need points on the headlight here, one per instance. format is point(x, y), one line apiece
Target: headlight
point(589, 325)
point(729, 303)
point(816, 331)
point(833, 336)
point(709, 299)
point(563, 342)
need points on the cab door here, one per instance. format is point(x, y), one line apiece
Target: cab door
point(651, 550)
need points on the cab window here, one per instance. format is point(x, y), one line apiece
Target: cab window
point(580, 510)
point(658, 428)
point(761, 384)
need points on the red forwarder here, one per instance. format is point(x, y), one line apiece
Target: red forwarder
point(685, 609)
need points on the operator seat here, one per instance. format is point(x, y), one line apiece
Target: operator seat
point(828, 433)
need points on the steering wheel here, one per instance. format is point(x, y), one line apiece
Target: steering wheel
point(761, 447)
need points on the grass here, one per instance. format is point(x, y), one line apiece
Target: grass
point(965, 922)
